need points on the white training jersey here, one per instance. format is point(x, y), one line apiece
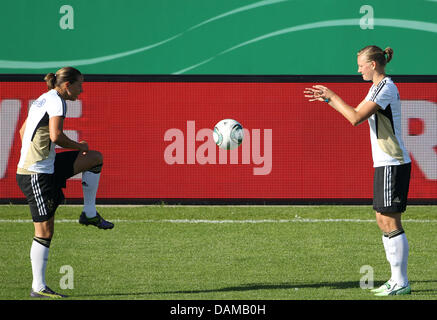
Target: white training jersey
point(37, 150)
point(385, 125)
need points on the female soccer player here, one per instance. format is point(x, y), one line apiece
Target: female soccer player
point(382, 109)
point(42, 173)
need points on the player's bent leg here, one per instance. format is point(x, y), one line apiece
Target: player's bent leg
point(90, 164)
point(85, 162)
point(96, 221)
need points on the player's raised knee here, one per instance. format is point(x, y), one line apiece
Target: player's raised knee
point(98, 157)
point(95, 161)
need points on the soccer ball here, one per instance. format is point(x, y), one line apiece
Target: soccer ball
point(228, 134)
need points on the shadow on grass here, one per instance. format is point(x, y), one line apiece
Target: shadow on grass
point(245, 287)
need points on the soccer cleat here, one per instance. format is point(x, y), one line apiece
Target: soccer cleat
point(46, 293)
point(385, 286)
point(97, 221)
point(394, 290)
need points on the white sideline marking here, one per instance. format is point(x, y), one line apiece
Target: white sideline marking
point(194, 221)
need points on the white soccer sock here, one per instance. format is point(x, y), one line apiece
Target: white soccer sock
point(38, 256)
point(90, 183)
point(386, 247)
point(399, 249)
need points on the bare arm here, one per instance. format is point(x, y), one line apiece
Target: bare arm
point(57, 136)
point(354, 115)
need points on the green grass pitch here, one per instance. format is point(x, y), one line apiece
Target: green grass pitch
point(218, 253)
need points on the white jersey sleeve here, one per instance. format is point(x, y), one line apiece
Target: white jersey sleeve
point(56, 106)
point(382, 95)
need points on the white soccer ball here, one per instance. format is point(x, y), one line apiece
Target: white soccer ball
point(228, 134)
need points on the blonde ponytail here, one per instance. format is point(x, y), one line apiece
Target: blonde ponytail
point(375, 53)
point(389, 53)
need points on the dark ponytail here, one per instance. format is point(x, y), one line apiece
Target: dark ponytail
point(67, 74)
point(50, 79)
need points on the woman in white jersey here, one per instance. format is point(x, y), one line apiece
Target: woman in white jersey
point(382, 108)
point(42, 173)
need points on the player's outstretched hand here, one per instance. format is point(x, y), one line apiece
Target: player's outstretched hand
point(318, 93)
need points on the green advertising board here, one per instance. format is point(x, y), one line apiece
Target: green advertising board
point(252, 37)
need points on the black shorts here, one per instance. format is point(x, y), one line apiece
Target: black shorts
point(44, 191)
point(390, 188)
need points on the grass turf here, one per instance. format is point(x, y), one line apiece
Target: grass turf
point(218, 253)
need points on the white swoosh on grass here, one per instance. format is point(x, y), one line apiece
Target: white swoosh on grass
point(11, 64)
point(394, 23)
